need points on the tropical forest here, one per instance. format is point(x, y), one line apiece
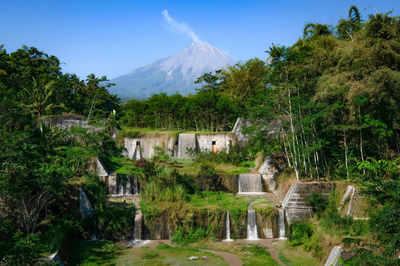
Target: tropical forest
point(293, 160)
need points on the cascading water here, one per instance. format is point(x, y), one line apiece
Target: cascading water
point(137, 231)
point(250, 184)
point(120, 187)
point(281, 223)
point(137, 153)
point(128, 187)
point(135, 186)
point(251, 225)
point(228, 228)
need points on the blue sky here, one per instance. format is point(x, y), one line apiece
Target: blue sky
point(114, 37)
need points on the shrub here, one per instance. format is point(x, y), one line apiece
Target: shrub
point(235, 155)
point(208, 176)
point(299, 233)
point(116, 222)
point(181, 237)
point(318, 203)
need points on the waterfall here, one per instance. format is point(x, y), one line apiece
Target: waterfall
point(250, 184)
point(281, 223)
point(137, 153)
point(227, 228)
point(128, 187)
point(120, 187)
point(135, 186)
point(251, 225)
point(137, 230)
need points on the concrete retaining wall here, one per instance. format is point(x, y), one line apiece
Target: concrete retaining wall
point(148, 142)
point(295, 202)
point(85, 206)
point(221, 140)
point(178, 146)
point(186, 142)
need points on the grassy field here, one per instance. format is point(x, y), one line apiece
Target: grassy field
point(121, 165)
point(212, 200)
point(187, 166)
point(103, 252)
point(294, 256)
point(203, 200)
point(250, 254)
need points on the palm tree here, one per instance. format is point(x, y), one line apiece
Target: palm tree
point(39, 96)
point(314, 30)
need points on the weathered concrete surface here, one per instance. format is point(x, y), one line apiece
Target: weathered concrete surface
point(101, 170)
point(68, 121)
point(334, 256)
point(268, 226)
point(270, 182)
point(237, 129)
point(250, 183)
point(267, 168)
point(186, 141)
point(112, 183)
point(148, 143)
point(353, 204)
point(295, 202)
point(54, 259)
point(85, 206)
point(177, 146)
point(349, 194)
point(96, 166)
point(221, 141)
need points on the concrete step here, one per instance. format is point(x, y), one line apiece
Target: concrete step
point(333, 259)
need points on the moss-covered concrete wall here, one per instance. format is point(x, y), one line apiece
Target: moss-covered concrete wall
point(163, 223)
point(222, 140)
point(295, 202)
point(148, 143)
point(267, 223)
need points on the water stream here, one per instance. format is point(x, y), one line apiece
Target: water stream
point(281, 224)
point(137, 231)
point(250, 184)
point(252, 233)
point(128, 188)
point(227, 228)
point(135, 186)
point(137, 152)
point(120, 187)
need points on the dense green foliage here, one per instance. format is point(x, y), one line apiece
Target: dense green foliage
point(205, 110)
point(38, 164)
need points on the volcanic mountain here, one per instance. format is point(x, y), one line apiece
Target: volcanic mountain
point(176, 73)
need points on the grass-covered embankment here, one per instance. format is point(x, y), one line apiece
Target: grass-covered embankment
point(205, 210)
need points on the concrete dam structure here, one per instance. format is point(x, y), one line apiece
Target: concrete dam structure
point(179, 146)
point(250, 184)
point(295, 201)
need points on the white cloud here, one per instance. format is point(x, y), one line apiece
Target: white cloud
point(180, 26)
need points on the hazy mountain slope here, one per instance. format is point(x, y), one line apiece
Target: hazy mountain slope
point(176, 73)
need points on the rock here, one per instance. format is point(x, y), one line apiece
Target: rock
point(193, 258)
point(205, 258)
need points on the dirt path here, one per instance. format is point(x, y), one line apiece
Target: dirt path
point(266, 243)
point(230, 258)
point(272, 198)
